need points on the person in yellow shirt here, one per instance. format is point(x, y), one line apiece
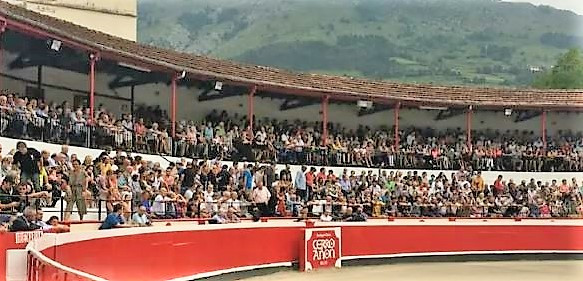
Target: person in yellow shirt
point(478, 184)
point(105, 165)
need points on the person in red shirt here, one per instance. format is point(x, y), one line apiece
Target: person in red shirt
point(498, 185)
point(310, 177)
point(498, 158)
point(321, 178)
point(331, 176)
point(564, 188)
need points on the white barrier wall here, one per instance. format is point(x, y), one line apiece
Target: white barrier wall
point(189, 108)
point(489, 177)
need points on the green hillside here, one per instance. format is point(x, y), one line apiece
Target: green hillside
point(482, 42)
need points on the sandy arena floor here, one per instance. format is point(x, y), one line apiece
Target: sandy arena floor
point(437, 271)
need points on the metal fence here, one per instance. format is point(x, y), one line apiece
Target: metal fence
point(22, 124)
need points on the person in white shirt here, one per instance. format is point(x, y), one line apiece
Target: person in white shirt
point(326, 217)
point(232, 216)
point(189, 193)
point(159, 205)
point(234, 203)
point(140, 218)
point(260, 197)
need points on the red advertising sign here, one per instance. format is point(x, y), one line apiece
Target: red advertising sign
point(321, 248)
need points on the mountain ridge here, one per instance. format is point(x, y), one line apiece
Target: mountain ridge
point(475, 42)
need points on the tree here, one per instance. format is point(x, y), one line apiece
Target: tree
point(567, 73)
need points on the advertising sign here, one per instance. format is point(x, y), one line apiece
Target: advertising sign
point(321, 248)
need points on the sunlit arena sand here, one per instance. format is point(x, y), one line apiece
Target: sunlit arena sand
point(446, 271)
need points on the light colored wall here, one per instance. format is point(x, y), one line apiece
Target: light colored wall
point(115, 17)
point(190, 108)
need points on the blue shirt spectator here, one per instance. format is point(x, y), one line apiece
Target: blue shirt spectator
point(114, 219)
point(345, 184)
point(208, 132)
point(300, 181)
point(248, 177)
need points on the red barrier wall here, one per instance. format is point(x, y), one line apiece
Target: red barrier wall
point(7, 242)
point(176, 253)
point(387, 240)
point(163, 256)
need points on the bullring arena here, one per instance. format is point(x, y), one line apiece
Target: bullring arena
point(416, 182)
point(126, 254)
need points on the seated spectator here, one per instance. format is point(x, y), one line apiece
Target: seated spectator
point(326, 217)
point(9, 203)
point(220, 217)
point(231, 216)
point(56, 227)
point(25, 222)
point(358, 216)
point(140, 218)
point(52, 225)
point(114, 219)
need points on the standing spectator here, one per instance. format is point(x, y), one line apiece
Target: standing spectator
point(300, 184)
point(223, 178)
point(261, 197)
point(78, 184)
point(248, 179)
point(498, 185)
point(478, 184)
point(310, 178)
point(28, 160)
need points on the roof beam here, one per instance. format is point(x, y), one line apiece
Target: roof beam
point(289, 104)
point(446, 114)
point(209, 93)
point(375, 109)
point(526, 115)
point(122, 81)
point(21, 62)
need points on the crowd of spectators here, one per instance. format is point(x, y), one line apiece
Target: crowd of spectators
point(227, 137)
point(134, 191)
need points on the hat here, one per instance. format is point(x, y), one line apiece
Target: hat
point(123, 154)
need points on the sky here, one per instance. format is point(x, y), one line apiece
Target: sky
point(572, 5)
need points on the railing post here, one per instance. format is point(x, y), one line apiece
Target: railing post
point(61, 211)
point(2, 30)
point(87, 135)
point(99, 209)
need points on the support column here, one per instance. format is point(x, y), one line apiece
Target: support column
point(250, 109)
point(92, 59)
point(2, 30)
point(325, 120)
point(39, 78)
point(469, 115)
point(132, 100)
point(543, 128)
point(173, 105)
point(396, 121)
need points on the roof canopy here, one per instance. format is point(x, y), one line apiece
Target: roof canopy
point(281, 81)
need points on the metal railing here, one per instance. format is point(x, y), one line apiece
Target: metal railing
point(19, 123)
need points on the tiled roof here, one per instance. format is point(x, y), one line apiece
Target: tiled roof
point(277, 80)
